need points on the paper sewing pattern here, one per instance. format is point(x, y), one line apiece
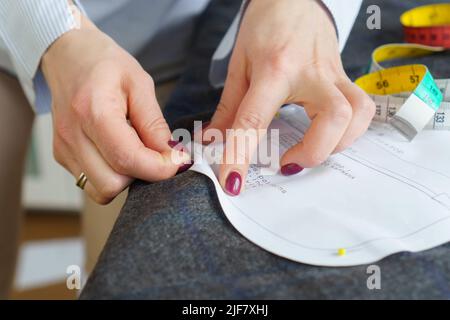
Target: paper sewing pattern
point(381, 196)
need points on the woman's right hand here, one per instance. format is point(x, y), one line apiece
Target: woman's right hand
point(107, 121)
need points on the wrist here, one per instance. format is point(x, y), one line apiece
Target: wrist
point(65, 41)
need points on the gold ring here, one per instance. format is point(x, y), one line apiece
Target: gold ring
point(81, 182)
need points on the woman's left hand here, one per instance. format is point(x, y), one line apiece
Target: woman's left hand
point(287, 52)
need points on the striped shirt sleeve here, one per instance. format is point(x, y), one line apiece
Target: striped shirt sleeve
point(28, 28)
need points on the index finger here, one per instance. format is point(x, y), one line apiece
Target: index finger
point(122, 148)
point(256, 111)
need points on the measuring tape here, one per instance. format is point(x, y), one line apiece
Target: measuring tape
point(407, 96)
point(428, 25)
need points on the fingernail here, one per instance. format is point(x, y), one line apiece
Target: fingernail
point(233, 183)
point(185, 167)
point(173, 143)
point(290, 169)
point(176, 145)
point(180, 147)
point(205, 125)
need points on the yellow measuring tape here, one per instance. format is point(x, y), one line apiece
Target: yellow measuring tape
point(407, 96)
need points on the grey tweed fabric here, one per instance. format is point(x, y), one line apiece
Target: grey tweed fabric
point(172, 240)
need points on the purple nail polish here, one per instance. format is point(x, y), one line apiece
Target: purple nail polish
point(233, 183)
point(176, 145)
point(184, 167)
point(180, 147)
point(173, 143)
point(290, 169)
point(205, 125)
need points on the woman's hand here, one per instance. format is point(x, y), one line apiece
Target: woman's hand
point(107, 121)
point(287, 52)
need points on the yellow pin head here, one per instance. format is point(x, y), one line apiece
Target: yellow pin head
point(341, 252)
